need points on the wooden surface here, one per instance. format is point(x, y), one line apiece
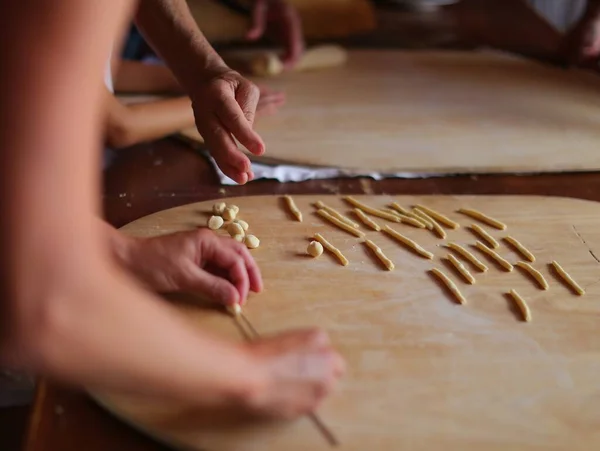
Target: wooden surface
point(437, 112)
point(422, 369)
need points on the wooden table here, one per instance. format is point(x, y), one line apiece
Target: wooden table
point(165, 174)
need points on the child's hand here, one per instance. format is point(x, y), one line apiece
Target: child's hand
point(195, 262)
point(300, 368)
point(225, 108)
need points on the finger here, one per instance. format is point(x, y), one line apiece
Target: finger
point(254, 275)
point(215, 288)
point(235, 120)
point(259, 20)
point(294, 39)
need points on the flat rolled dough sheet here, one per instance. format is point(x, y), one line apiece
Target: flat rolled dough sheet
point(424, 373)
point(437, 112)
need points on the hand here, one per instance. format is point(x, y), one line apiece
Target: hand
point(195, 262)
point(279, 20)
point(224, 107)
point(300, 368)
point(583, 41)
point(269, 101)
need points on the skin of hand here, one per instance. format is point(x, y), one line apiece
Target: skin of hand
point(280, 21)
point(583, 41)
point(301, 367)
point(198, 261)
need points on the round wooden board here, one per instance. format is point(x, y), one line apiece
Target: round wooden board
point(436, 112)
point(423, 372)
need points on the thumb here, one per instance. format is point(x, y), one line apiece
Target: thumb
point(259, 20)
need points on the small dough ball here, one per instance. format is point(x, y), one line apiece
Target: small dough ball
point(239, 238)
point(243, 223)
point(219, 208)
point(215, 222)
point(235, 229)
point(235, 309)
point(251, 242)
point(229, 214)
point(314, 249)
point(234, 208)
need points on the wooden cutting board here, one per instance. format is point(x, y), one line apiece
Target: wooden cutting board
point(437, 112)
point(423, 371)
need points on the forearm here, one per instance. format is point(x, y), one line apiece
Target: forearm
point(133, 124)
point(169, 27)
point(138, 77)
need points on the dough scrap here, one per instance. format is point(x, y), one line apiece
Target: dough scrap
point(439, 217)
point(475, 214)
point(482, 233)
point(464, 272)
point(379, 253)
point(342, 225)
point(494, 255)
point(331, 248)
point(468, 256)
point(523, 307)
point(450, 284)
point(366, 220)
point(568, 279)
point(537, 276)
point(407, 242)
point(314, 249)
point(519, 248)
point(293, 208)
point(215, 222)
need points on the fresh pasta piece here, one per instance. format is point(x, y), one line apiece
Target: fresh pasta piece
point(400, 209)
point(494, 255)
point(251, 241)
point(229, 214)
point(472, 258)
point(341, 224)
point(379, 253)
point(235, 208)
point(483, 218)
point(215, 222)
point(366, 220)
point(314, 249)
point(331, 248)
point(293, 208)
point(464, 272)
point(243, 224)
point(235, 229)
point(234, 310)
point(408, 242)
point(372, 211)
point(482, 233)
point(333, 212)
point(450, 284)
point(568, 279)
point(523, 307)
point(520, 248)
point(219, 208)
point(418, 223)
point(537, 276)
point(438, 216)
point(419, 215)
point(439, 231)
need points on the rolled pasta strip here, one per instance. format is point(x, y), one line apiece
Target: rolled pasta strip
point(493, 254)
point(333, 212)
point(520, 248)
point(293, 208)
point(482, 233)
point(439, 231)
point(534, 273)
point(468, 256)
point(372, 211)
point(522, 305)
point(418, 223)
point(342, 225)
point(366, 220)
point(438, 216)
point(331, 248)
point(400, 209)
point(464, 272)
point(379, 253)
point(475, 214)
point(423, 218)
point(408, 242)
point(451, 285)
point(568, 279)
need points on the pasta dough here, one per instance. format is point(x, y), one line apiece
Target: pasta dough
point(342, 225)
point(331, 248)
point(464, 272)
point(520, 248)
point(494, 255)
point(439, 231)
point(293, 208)
point(379, 253)
point(481, 232)
point(468, 256)
point(408, 242)
point(522, 305)
point(537, 276)
point(235, 229)
point(568, 279)
point(229, 214)
point(333, 212)
point(366, 220)
point(438, 216)
point(251, 242)
point(215, 222)
point(372, 211)
point(219, 208)
point(450, 284)
point(483, 218)
point(314, 249)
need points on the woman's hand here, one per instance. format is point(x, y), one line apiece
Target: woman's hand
point(198, 261)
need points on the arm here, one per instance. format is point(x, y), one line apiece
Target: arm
point(138, 77)
point(127, 125)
